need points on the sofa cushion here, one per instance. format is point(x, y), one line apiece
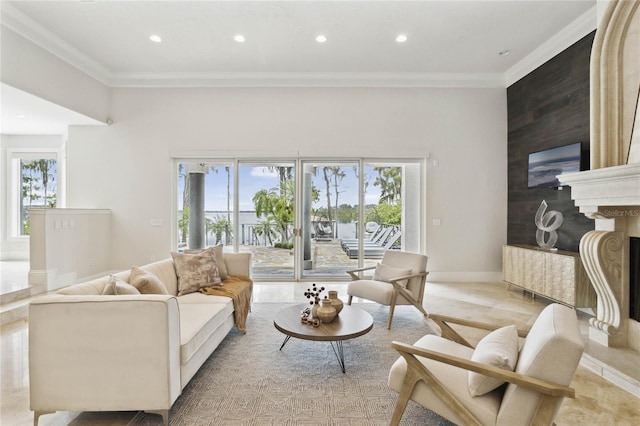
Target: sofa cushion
point(378, 291)
point(499, 349)
point(198, 321)
point(217, 253)
point(117, 286)
point(146, 282)
point(222, 266)
point(166, 272)
point(207, 298)
point(195, 271)
point(93, 288)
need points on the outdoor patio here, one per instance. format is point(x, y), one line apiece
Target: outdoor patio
point(328, 261)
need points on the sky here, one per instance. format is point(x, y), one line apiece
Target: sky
point(254, 178)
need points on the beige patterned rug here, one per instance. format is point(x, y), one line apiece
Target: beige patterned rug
point(249, 381)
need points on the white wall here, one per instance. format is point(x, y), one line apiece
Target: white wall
point(30, 68)
point(126, 167)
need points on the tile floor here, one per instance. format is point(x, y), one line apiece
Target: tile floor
point(13, 276)
point(598, 401)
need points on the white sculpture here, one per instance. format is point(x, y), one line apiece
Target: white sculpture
point(547, 222)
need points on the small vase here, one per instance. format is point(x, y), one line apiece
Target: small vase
point(314, 310)
point(326, 312)
point(335, 301)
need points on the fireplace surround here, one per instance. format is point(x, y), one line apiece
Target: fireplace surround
point(609, 193)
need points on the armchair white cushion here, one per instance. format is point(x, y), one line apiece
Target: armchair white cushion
point(398, 280)
point(500, 349)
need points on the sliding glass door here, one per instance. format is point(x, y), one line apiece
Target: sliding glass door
point(301, 219)
point(353, 220)
point(330, 200)
point(266, 194)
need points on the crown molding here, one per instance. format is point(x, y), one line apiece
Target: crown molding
point(15, 20)
point(573, 32)
point(305, 79)
point(20, 23)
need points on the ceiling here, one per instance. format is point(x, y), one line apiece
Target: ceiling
point(448, 42)
point(25, 114)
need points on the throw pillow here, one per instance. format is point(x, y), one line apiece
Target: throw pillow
point(498, 348)
point(387, 273)
point(146, 282)
point(215, 251)
point(116, 286)
point(195, 271)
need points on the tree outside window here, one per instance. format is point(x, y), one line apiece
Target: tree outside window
point(38, 188)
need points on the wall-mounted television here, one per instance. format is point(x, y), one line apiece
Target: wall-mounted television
point(545, 166)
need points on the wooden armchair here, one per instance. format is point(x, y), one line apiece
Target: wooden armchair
point(399, 279)
point(434, 372)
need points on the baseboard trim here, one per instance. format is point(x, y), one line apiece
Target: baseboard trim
point(465, 276)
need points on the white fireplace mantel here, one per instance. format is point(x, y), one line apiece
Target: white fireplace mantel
point(612, 196)
point(602, 193)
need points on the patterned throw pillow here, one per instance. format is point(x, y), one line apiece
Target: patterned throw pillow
point(116, 286)
point(386, 273)
point(216, 252)
point(498, 348)
point(195, 271)
point(146, 282)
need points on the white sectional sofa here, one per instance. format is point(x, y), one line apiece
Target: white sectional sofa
point(94, 352)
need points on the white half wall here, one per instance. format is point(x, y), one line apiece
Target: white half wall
point(126, 167)
point(68, 245)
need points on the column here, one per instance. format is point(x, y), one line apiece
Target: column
point(196, 238)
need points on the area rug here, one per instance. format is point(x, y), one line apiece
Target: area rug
point(249, 381)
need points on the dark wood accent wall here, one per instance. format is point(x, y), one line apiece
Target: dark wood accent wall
point(548, 108)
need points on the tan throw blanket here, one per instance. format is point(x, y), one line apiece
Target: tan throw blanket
point(239, 289)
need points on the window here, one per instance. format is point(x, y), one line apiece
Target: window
point(33, 182)
point(38, 188)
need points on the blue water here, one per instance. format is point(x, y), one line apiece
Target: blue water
point(249, 219)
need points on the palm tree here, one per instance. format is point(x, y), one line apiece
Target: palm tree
point(276, 205)
point(266, 228)
point(218, 226)
point(29, 191)
point(338, 175)
point(183, 224)
point(327, 182)
point(389, 180)
point(43, 166)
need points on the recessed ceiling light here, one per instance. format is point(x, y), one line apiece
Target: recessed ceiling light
point(155, 38)
point(321, 38)
point(22, 116)
point(401, 38)
point(239, 38)
point(504, 52)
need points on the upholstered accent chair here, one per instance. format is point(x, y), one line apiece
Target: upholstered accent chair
point(398, 279)
point(436, 372)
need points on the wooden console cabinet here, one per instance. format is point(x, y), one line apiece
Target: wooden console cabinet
point(557, 275)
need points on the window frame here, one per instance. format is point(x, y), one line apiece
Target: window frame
point(14, 184)
point(418, 176)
